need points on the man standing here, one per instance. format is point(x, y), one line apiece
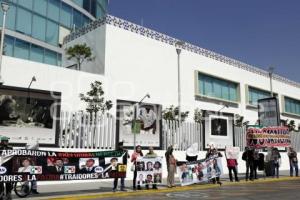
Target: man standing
point(248, 157)
point(125, 157)
point(8, 165)
point(293, 161)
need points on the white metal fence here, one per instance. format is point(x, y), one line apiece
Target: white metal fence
point(82, 130)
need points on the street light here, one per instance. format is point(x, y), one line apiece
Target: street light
point(271, 70)
point(5, 7)
point(33, 79)
point(225, 106)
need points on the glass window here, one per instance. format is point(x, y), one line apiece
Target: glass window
point(23, 21)
point(77, 19)
point(87, 5)
point(8, 48)
point(66, 15)
point(52, 33)
point(292, 105)
point(36, 53)
point(11, 18)
point(256, 94)
point(53, 9)
point(59, 59)
point(78, 2)
point(40, 6)
point(21, 49)
point(26, 3)
point(50, 57)
point(85, 21)
point(39, 27)
point(217, 88)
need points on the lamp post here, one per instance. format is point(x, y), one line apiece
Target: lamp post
point(5, 7)
point(271, 70)
point(33, 79)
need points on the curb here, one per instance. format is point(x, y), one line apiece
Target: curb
point(163, 190)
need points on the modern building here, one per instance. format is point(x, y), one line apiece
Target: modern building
point(35, 28)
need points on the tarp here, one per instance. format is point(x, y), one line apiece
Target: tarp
point(149, 171)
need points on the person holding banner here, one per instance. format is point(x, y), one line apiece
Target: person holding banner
point(136, 154)
point(8, 165)
point(125, 157)
point(171, 166)
point(292, 154)
point(214, 153)
point(275, 160)
point(151, 154)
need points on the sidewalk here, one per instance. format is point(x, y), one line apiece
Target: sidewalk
point(50, 189)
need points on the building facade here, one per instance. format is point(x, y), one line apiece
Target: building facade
point(35, 28)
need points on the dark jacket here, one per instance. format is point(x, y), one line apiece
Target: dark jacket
point(248, 156)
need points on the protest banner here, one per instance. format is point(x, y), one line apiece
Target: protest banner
point(232, 152)
point(25, 165)
point(149, 171)
point(276, 136)
point(199, 171)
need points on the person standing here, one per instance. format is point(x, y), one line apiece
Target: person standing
point(171, 166)
point(255, 163)
point(275, 162)
point(125, 157)
point(136, 154)
point(151, 154)
point(232, 166)
point(4, 145)
point(213, 153)
point(292, 154)
point(248, 157)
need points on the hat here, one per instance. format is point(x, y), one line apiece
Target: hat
point(4, 138)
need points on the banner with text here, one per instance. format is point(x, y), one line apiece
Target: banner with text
point(22, 165)
point(199, 171)
point(276, 136)
point(149, 171)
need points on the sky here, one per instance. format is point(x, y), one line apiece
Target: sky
point(262, 33)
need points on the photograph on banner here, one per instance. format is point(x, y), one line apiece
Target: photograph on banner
point(218, 129)
point(263, 137)
point(29, 115)
point(144, 121)
point(232, 152)
point(149, 170)
point(48, 165)
point(268, 112)
point(199, 171)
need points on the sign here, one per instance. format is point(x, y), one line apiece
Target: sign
point(268, 112)
point(146, 121)
point(232, 152)
point(26, 165)
point(218, 129)
point(199, 171)
point(149, 171)
point(275, 136)
point(29, 115)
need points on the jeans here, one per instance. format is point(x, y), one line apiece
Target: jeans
point(275, 169)
point(230, 169)
point(249, 165)
point(292, 166)
point(122, 183)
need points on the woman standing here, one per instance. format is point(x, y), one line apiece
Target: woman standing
point(136, 154)
point(171, 165)
point(275, 159)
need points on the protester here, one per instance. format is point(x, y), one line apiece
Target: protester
point(292, 154)
point(275, 162)
point(151, 154)
point(125, 157)
point(214, 153)
point(171, 166)
point(4, 145)
point(255, 163)
point(33, 146)
point(248, 157)
point(136, 154)
point(232, 166)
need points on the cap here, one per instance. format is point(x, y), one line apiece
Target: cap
point(4, 138)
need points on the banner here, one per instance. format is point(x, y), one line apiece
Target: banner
point(149, 171)
point(22, 165)
point(232, 152)
point(268, 137)
point(199, 171)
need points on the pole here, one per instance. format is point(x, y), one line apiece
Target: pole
point(271, 78)
point(179, 91)
point(4, 8)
